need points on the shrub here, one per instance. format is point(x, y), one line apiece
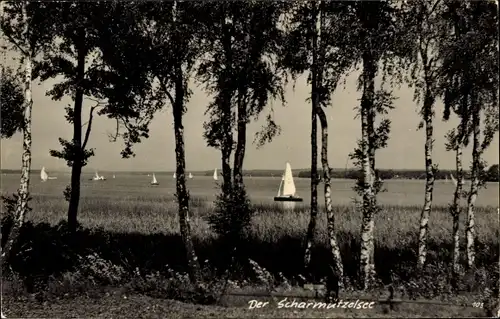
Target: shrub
point(231, 218)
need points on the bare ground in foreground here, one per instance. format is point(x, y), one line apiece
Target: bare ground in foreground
point(119, 305)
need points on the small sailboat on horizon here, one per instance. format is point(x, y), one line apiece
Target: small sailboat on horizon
point(98, 177)
point(175, 175)
point(453, 180)
point(215, 175)
point(44, 176)
point(154, 182)
point(287, 190)
point(190, 176)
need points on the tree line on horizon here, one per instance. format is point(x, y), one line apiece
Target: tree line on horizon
point(134, 59)
point(492, 174)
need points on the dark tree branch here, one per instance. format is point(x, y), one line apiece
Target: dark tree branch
point(89, 127)
point(17, 45)
point(114, 137)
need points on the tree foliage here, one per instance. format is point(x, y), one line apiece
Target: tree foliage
point(470, 64)
point(493, 173)
point(241, 66)
point(40, 33)
point(113, 78)
point(12, 102)
point(337, 55)
point(238, 68)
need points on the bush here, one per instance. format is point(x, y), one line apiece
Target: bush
point(231, 216)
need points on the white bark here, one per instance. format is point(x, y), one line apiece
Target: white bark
point(334, 247)
point(455, 210)
point(23, 191)
point(470, 233)
point(367, 265)
point(429, 184)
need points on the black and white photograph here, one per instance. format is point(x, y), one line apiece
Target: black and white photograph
point(249, 159)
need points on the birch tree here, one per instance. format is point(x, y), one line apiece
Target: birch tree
point(238, 68)
point(379, 39)
point(28, 33)
point(425, 21)
point(299, 56)
point(470, 66)
point(481, 46)
point(315, 45)
point(456, 96)
point(167, 41)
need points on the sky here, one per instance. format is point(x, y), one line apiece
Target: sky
point(405, 147)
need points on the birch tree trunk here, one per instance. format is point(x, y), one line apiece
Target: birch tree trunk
point(429, 181)
point(367, 267)
point(182, 193)
point(23, 191)
point(371, 156)
point(334, 247)
point(311, 228)
point(471, 200)
point(180, 181)
point(455, 210)
point(239, 154)
point(76, 168)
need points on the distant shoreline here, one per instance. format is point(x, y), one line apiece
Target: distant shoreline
point(384, 174)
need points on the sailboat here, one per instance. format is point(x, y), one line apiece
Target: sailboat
point(114, 176)
point(175, 175)
point(287, 190)
point(97, 177)
point(190, 175)
point(453, 180)
point(43, 175)
point(215, 175)
point(154, 182)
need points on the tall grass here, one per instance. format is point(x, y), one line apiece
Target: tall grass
point(395, 226)
point(140, 234)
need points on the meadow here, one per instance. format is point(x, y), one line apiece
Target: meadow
point(134, 225)
point(129, 204)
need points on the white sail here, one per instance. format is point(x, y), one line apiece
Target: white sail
point(215, 175)
point(453, 180)
point(114, 176)
point(98, 177)
point(190, 175)
point(288, 184)
point(175, 175)
point(154, 181)
point(43, 175)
